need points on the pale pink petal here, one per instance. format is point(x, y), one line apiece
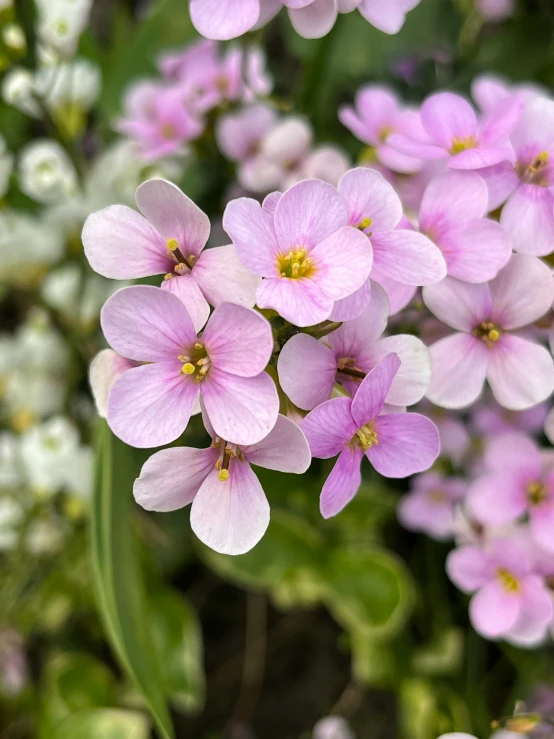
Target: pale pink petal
point(170, 479)
point(224, 279)
point(479, 158)
point(308, 213)
point(500, 121)
point(329, 427)
point(252, 233)
point(414, 375)
point(288, 141)
point(355, 338)
point(307, 370)
point(447, 117)
point(314, 20)
point(360, 128)
point(386, 15)
point(352, 306)
point(238, 340)
point(497, 499)
point(188, 292)
point(399, 295)
point(469, 568)
point(270, 201)
point(476, 251)
point(493, 611)
point(408, 443)
point(501, 181)
point(268, 10)
point(370, 398)
point(542, 525)
point(459, 371)
point(450, 198)
point(340, 276)
point(146, 324)
point(120, 243)
point(284, 449)
point(416, 148)
point(408, 257)
point(106, 367)
point(299, 301)
point(522, 292)
point(237, 133)
point(488, 90)
point(367, 194)
point(536, 614)
point(224, 19)
point(520, 373)
point(513, 451)
point(230, 516)
point(549, 426)
point(151, 405)
point(343, 482)
point(174, 215)
point(529, 220)
point(458, 304)
point(242, 410)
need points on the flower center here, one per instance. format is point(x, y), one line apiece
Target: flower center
point(228, 452)
point(366, 436)
point(347, 366)
point(458, 144)
point(533, 173)
point(487, 332)
point(509, 582)
point(168, 131)
point(295, 264)
point(184, 264)
point(384, 132)
point(436, 496)
point(196, 363)
point(536, 493)
point(364, 223)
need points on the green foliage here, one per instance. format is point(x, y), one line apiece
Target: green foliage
point(104, 724)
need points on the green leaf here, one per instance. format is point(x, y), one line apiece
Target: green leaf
point(178, 638)
point(120, 590)
point(369, 590)
point(103, 724)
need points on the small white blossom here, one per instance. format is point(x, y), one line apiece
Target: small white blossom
point(46, 172)
point(61, 23)
point(18, 89)
point(77, 82)
point(26, 247)
point(11, 516)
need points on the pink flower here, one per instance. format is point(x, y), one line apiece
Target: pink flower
point(151, 405)
point(496, 10)
point(489, 90)
point(230, 512)
point(306, 253)
point(400, 254)
point(519, 481)
point(226, 19)
point(487, 347)
point(452, 215)
point(509, 597)
point(169, 239)
point(429, 506)
point(526, 181)
point(388, 17)
point(105, 369)
point(376, 115)
point(397, 445)
point(158, 121)
point(453, 132)
point(308, 368)
point(239, 136)
point(490, 420)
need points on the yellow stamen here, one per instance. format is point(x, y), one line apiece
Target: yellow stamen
point(168, 276)
point(458, 144)
point(365, 223)
point(487, 332)
point(536, 493)
point(366, 436)
point(172, 244)
point(509, 582)
point(188, 369)
point(436, 496)
point(295, 265)
point(223, 475)
point(168, 131)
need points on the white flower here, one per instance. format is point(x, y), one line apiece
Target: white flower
point(61, 22)
point(6, 165)
point(11, 516)
point(332, 727)
point(44, 537)
point(18, 89)
point(26, 246)
point(13, 36)
point(10, 471)
point(76, 82)
point(46, 172)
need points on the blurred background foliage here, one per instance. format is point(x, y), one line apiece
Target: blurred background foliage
point(135, 627)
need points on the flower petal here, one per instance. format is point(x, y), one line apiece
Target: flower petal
point(343, 262)
point(497, 499)
point(522, 292)
point(224, 19)
point(520, 373)
point(476, 250)
point(408, 443)
point(284, 449)
point(188, 292)
point(529, 220)
point(493, 611)
point(151, 405)
point(459, 371)
point(351, 307)
point(355, 338)
point(230, 516)
point(106, 367)
point(343, 482)
point(329, 427)
point(174, 215)
point(414, 375)
point(458, 304)
point(120, 244)
point(314, 20)
point(307, 213)
point(367, 194)
point(146, 324)
point(386, 15)
point(307, 370)
point(370, 398)
point(469, 568)
point(301, 302)
point(238, 340)
point(223, 278)
point(408, 257)
point(447, 117)
point(242, 410)
point(170, 479)
point(452, 197)
point(252, 233)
